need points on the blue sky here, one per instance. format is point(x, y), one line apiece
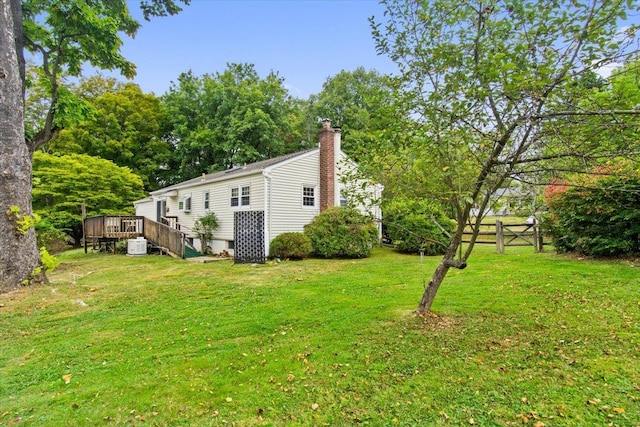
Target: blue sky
point(304, 41)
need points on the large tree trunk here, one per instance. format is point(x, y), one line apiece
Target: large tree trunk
point(18, 250)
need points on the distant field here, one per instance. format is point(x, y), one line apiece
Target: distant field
point(520, 339)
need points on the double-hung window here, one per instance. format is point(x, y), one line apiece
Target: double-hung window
point(245, 197)
point(205, 198)
point(240, 196)
point(308, 196)
point(184, 204)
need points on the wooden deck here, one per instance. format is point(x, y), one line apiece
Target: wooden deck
point(107, 230)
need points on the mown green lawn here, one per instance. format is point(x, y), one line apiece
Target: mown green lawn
point(519, 339)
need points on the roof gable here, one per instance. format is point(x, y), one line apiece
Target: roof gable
point(250, 169)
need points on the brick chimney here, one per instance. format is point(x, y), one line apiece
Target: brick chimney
point(329, 149)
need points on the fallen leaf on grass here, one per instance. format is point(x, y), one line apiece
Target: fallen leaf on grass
point(618, 410)
point(67, 378)
point(315, 406)
point(229, 399)
point(472, 421)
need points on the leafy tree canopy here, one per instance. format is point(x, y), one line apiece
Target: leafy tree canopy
point(228, 119)
point(63, 36)
point(127, 127)
point(359, 102)
point(62, 183)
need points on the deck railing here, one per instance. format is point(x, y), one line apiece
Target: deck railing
point(171, 221)
point(129, 227)
point(164, 236)
point(114, 227)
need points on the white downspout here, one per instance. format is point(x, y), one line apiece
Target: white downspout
point(337, 157)
point(267, 210)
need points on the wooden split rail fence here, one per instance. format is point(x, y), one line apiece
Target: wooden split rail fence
point(503, 235)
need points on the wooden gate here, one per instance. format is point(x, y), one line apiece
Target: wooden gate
point(518, 235)
point(503, 235)
point(248, 230)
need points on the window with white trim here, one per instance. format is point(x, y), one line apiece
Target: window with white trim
point(184, 204)
point(244, 200)
point(308, 196)
point(240, 196)
point(205, 199)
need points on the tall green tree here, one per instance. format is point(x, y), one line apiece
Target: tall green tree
point(486, 83)
point(361, 103)
point(70, 34)
point(61, 184)
point(126, 126)
point(228, 119)
point(63, 36)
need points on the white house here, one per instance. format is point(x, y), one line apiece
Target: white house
point(257, 202)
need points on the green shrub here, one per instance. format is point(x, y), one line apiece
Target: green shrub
point(293, 246)
point(415, 226)
point(600, 217)
point(53, 239)
point(205, 226)
point(122, 247)
point(341, 232)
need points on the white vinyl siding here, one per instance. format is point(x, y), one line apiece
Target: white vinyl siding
point(286, 210)
point(218, 203)
point(146, 207)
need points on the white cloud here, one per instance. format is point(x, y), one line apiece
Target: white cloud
point(605, 71)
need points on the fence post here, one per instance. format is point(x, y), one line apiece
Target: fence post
point(538, 239)
point(499, 237)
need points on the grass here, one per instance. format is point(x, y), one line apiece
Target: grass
point(519, 339)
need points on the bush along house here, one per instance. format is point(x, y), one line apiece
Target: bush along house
point(257, 202)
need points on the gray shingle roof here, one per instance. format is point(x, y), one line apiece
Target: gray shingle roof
point(232, 173)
